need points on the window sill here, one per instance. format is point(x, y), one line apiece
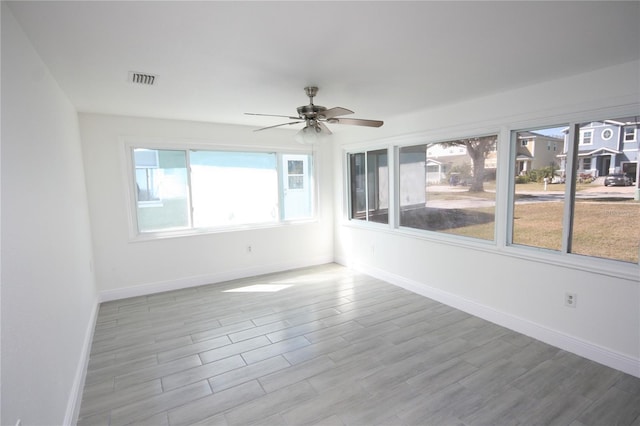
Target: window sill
point(186, 233)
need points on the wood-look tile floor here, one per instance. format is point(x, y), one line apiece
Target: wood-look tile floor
point(333, 347)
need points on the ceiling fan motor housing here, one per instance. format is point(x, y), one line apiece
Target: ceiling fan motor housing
point(310, 111)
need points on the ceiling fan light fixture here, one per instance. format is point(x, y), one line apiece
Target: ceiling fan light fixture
point(312, 133)
point(314, 117)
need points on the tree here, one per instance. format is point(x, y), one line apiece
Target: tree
point(478, 149)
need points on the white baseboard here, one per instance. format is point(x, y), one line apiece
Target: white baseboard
point(75, 397)
point(555, 338)
point(194, 281)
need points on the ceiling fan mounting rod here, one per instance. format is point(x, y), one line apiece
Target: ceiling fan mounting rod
point(311, 91)
point(311, 111)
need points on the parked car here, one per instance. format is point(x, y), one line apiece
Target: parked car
point(618, 180)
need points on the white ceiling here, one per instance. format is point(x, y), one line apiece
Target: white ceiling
point(217, 60)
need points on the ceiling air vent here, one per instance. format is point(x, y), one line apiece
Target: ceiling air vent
point(142, 78)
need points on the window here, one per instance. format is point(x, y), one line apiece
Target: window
point(449, 193)
point(369, 186)
point(605, 224)
point(578, 215)
point(538, 207)
point(630, 134)
point(207, 189)
point(233, 188)
point(162, 193)
point(606, 134)
point(586, 137)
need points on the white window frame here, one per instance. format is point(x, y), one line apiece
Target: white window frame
point(129, 182)
point(507, 151)
point(349, 198)
point(583, 134)
point(605, 138)
point(634, 133)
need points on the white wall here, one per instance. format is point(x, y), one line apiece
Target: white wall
point(48, 289)
point(126, 268)
point(517, 287)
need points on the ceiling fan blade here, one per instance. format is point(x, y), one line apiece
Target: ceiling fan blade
point(278, 125)
point(324, 128)
point(272, 115)
point(356, 122)
point(334, 112)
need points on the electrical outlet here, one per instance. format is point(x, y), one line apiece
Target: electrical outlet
point(570, 300)
point(249, 249)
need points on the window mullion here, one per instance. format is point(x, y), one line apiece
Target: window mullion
point(366, 186)
point(570, 186)
point(189, 191)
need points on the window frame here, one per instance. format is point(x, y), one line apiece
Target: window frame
point(505, 182)
point(583, 133)
point(348, 210)
point(430, 141)
point(129, 182)
point(574, 166)
point(634, 132)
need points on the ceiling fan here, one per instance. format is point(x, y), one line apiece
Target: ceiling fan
point(314, 117)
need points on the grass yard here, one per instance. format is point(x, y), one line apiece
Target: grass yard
point(602, 229)
point(609, 229)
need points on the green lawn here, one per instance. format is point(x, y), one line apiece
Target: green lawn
point(607, 229)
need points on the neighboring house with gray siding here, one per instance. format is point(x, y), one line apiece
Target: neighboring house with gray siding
point(607, 147)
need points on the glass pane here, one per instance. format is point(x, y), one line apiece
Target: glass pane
point(606, 216)
point(357, 181)
point(233, 188)
point(539, 187)
point(297, 188)
point(450, 186)
point(296, 182)
point(378, 186)
point(295, 167)
point(162, 194)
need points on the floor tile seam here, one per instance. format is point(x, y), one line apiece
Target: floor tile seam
point(108, 413)
point(271, 344)
point(140, 350)
point(145, 379)
point(106, 375)
point(382, 317)
point(117, 350)
point(255, 377)
point(201, 350)
point(208, 396)
point(266, 394)
point(132, 399)
point(156, 333)
point(330, 327)
point(286, 317)
point(208, 377)
point(301, 333)
point(217, 330)
point(378, 300)
point(97, 394)
point(295, 368)
point(458, 381)
point(233, 354)
point(302, 321)
point(186, 350)
point(153, 413)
